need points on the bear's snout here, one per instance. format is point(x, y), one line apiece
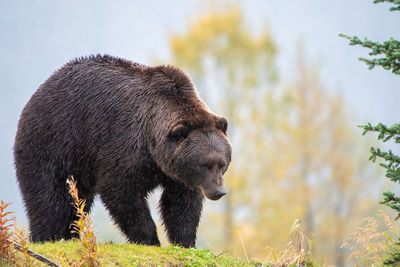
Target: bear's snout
point(213, 187)
point(218, 194)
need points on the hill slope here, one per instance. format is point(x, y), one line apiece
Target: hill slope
point(137, 255)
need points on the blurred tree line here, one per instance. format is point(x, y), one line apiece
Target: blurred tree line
point(296, 153)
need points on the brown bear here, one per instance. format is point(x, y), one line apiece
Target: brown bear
point(121, 129)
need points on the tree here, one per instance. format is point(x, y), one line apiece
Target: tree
point(293, 144)
point(307, 169)
point(218, 50)
point(386, 55)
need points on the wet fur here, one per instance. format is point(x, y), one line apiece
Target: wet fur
point(107, 122)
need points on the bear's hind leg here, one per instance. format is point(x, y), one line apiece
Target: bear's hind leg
point(181, 211)
point(51, 213)
point(129, 209)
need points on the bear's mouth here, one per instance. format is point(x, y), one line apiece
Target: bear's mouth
point(214, 196)
point(213, 189)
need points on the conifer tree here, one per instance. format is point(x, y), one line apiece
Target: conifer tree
point(387, 56)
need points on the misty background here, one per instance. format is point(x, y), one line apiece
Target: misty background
point(39, 36)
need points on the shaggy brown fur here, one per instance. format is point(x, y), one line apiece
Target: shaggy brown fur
point(121, 129)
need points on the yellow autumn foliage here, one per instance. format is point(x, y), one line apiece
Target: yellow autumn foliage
point(296, 154)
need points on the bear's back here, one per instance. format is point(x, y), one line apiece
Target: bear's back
point(101, 101)
point(91, 88)
point(87, 103)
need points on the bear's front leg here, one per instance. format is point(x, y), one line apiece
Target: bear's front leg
point(181, 211)
point(129, 209)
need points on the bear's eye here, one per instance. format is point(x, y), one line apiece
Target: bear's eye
point(222, 124)
point(207, 165)
point(179, 133)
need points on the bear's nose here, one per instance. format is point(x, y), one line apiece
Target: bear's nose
point(218, 194)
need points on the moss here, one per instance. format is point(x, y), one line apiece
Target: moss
point(137, 255)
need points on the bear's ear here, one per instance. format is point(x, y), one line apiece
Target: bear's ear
point(222, 124)
point(179, 132)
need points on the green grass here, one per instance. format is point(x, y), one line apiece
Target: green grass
point(137, 255)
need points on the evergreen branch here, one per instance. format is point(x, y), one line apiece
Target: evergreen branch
point(392, 201)
point(395, 2)
point(390, 49)
point(385, 133)
point(392, 172)
point(394, 160)
point(392, 164)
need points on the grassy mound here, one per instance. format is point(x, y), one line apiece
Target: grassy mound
point(137, 255)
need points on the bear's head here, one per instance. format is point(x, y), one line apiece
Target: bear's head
point(199, 156)
point(188, 142)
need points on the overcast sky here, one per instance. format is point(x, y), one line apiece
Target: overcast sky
point(39, 36)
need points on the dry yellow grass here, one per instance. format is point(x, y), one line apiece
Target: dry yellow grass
point(83, 226)
point(369, 244)
point(7, 223)
point(297, 252)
